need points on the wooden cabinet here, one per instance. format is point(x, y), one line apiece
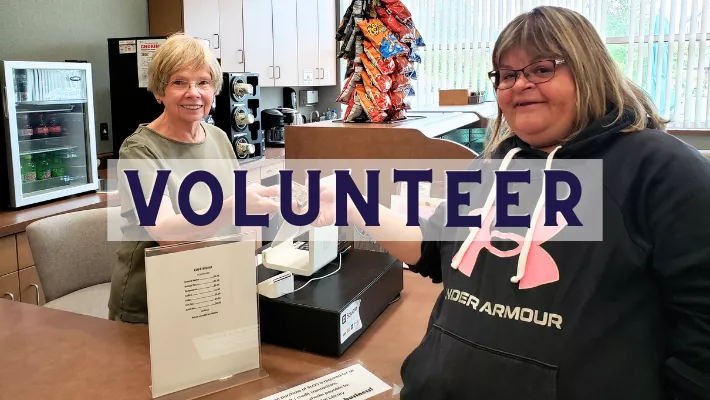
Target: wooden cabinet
point(219, 22)
point(8, 255)
point(10, 287)
point(24, 254)
point(30, 287)
point(19, 280)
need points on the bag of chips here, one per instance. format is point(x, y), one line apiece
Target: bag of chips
point(354, 109)
point(346, 23)
point(349, 87)
point(381, 99)
point(414, 57)
point(385, 65)
point(397, 115)
point(402, 65)
point(403, 33)
point(397, 99)
point(398, 80)
point(368, 105)
point(382, 81)
point(400, 11)
point(382, 38)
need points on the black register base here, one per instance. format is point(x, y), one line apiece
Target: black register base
point(328, 315)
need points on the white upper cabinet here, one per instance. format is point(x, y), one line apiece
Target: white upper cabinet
point(285, 42)
point(327, 26)
point(308, 43)
point(231, 33)
point(259, 40)
point(316, 42)
point(201, 20)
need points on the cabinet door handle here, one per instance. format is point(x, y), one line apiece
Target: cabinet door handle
point(217, 41)
point(36, 286)
point(323, 70)
point(241, 62)
point(271, 71)
point(12, 296)
point(317, 73)
point(279, 77)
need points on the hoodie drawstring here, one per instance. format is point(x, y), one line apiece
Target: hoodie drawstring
point(522, 260)
point(484, 212)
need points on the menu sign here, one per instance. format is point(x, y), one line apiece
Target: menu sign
point(202, 314)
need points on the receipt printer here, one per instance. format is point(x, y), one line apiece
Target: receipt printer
point(305, 257)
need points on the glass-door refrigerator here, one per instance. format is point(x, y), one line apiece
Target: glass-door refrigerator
point(48, 131)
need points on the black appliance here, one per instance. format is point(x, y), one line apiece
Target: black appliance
point(237, 112)
point(131, 105)
point(274, 131)
point(290, 98)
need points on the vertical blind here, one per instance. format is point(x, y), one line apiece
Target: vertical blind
point(661, 44)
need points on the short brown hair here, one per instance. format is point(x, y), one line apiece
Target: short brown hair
point(182, 51)
point(563, 33)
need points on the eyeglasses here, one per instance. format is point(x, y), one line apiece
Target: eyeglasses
point(537, 72)
point(184, 86)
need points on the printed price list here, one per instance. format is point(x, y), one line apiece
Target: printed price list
point(203, 293)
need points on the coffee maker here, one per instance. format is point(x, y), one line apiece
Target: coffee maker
point(276, 120)
point(273, 124)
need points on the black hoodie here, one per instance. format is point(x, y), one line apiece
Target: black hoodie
point(629, 316)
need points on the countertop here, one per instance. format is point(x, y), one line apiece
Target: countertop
point(52, 354)
point(430, 125)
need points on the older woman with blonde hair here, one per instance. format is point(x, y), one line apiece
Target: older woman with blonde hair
point(184, 77)
point(625, 317)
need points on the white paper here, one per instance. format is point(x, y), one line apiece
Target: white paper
point(308, 76)
point(350, 321)
point(126, 46)
point(203, 319)
point(146, 50)
point(353, 382)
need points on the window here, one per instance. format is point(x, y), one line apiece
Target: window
point(661, 44)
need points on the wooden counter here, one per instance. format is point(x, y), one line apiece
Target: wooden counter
point(50, 354)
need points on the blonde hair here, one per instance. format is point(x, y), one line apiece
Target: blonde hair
point(177, 52)
point(558, 32)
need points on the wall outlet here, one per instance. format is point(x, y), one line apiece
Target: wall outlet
point(103, 129)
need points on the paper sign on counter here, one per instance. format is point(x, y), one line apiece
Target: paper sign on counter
point(203, 315)
point(354, 382)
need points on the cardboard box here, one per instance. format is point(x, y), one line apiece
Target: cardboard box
point(329, 315)
point(458, 97)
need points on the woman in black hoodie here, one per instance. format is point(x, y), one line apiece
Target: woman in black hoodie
point(625, 317)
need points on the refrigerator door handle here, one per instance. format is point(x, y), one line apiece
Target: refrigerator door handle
point(4, 102)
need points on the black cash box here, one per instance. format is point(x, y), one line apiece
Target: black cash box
point(329, 315)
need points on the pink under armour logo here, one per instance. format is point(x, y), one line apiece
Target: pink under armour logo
point(540, 267)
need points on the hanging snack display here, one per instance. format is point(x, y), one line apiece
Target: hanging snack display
point(379, 43)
